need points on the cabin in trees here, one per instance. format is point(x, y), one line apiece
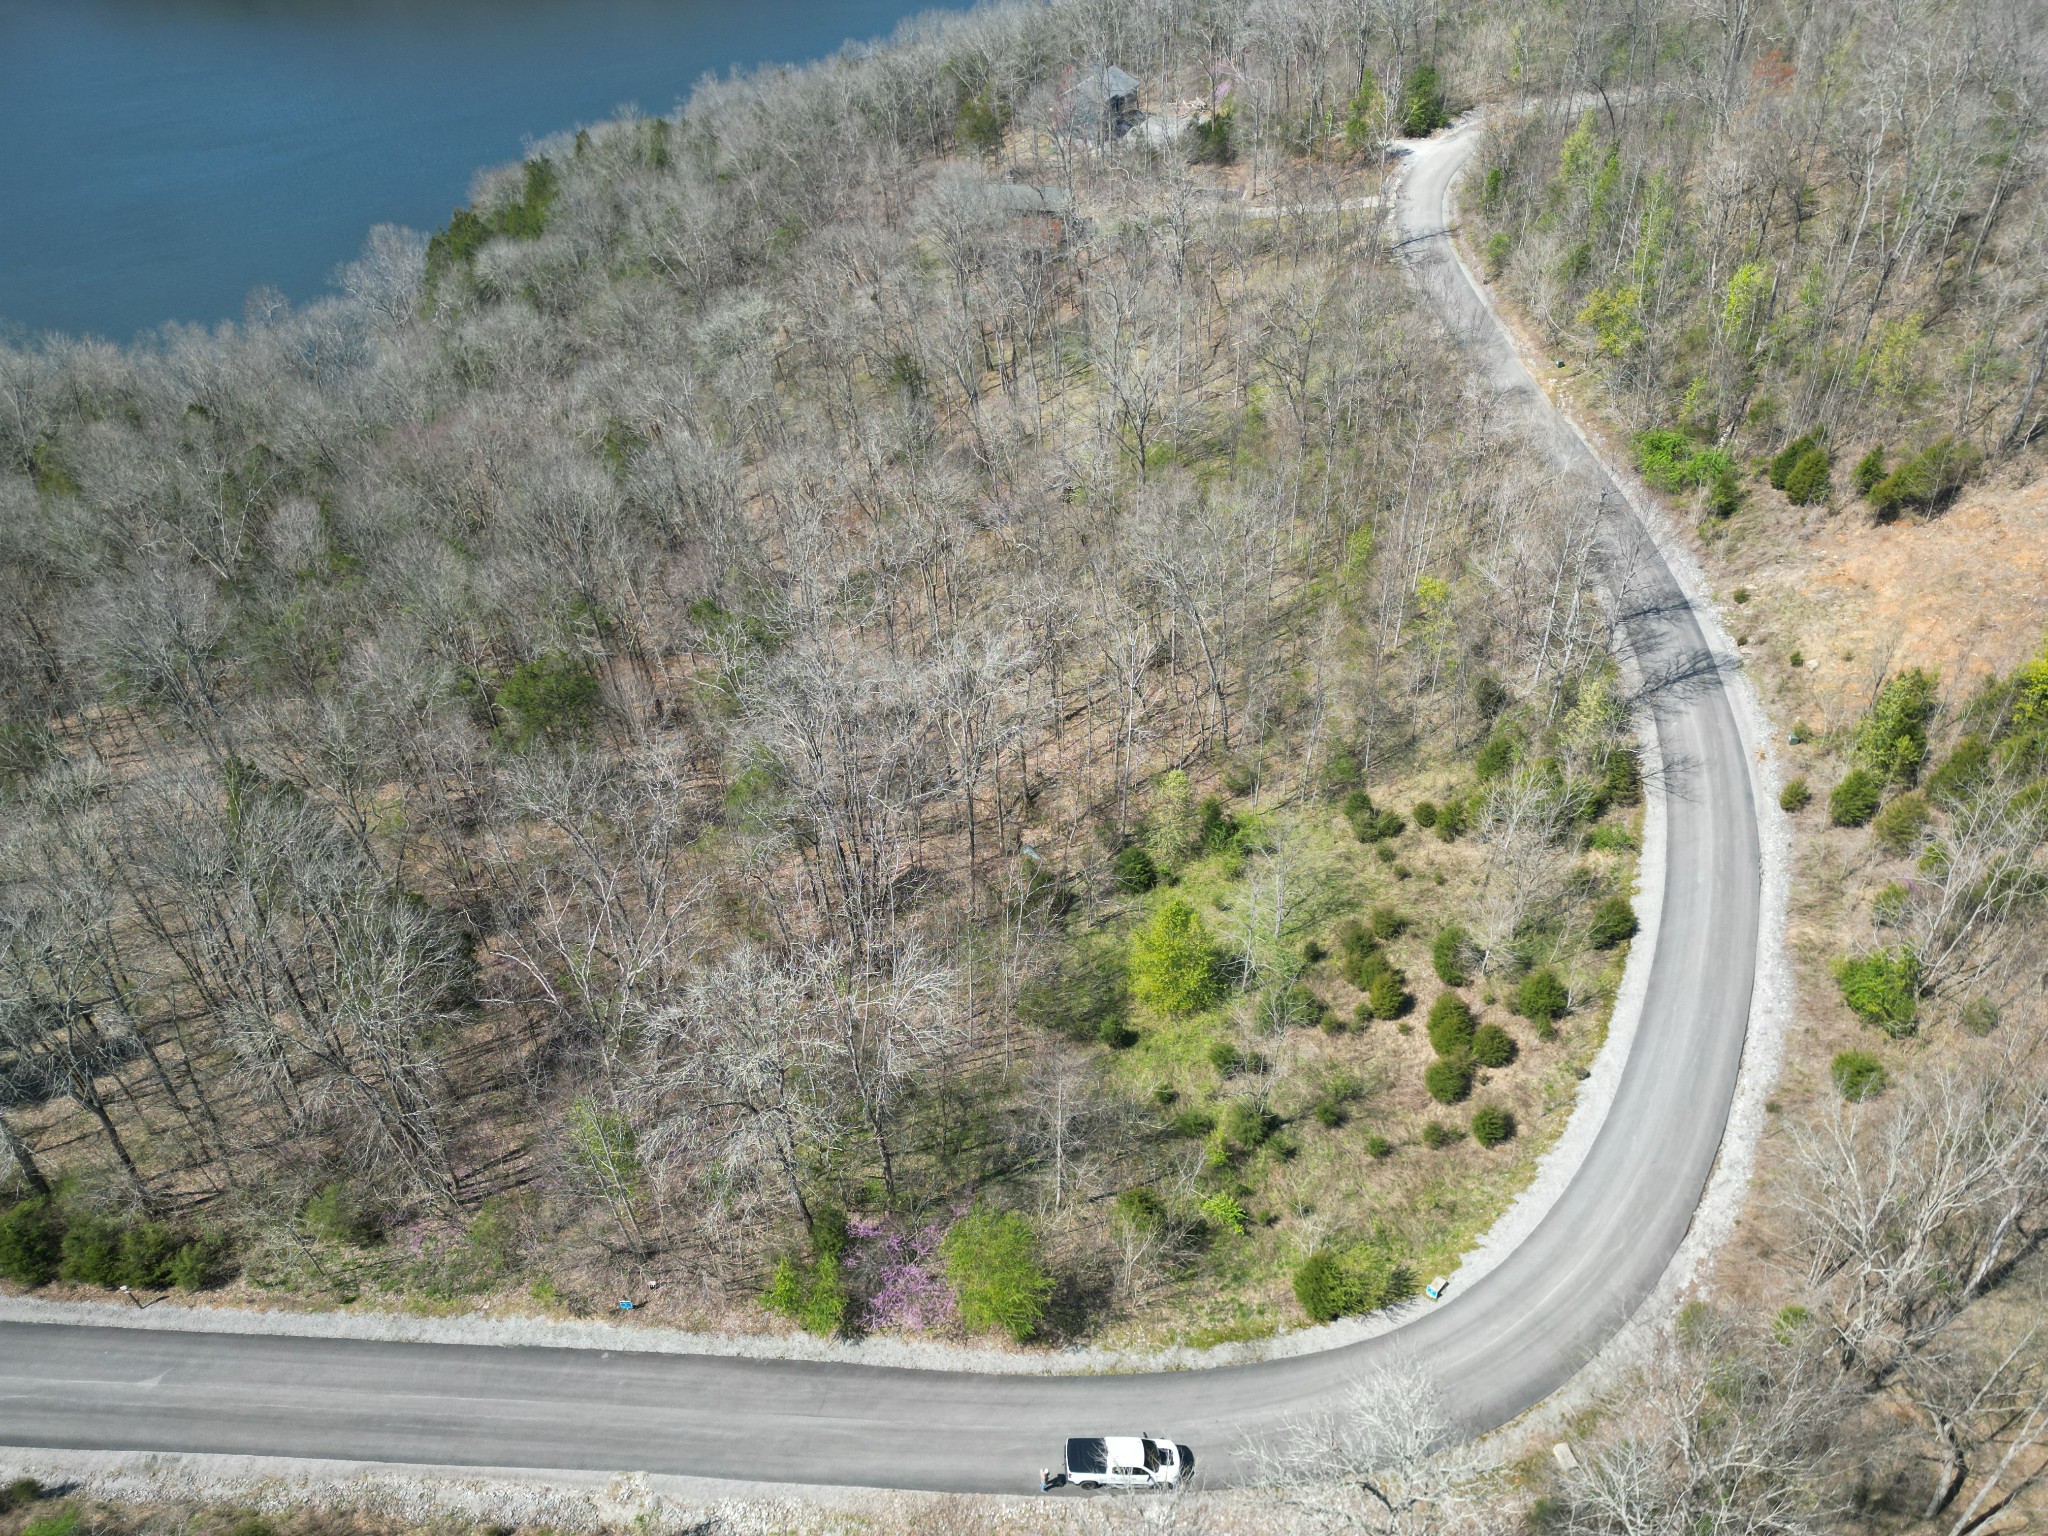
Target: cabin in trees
point(1043, 212)
point(1103, 105)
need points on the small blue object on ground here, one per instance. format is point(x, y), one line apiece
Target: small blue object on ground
point(624, 1305)
point(1436, 1288)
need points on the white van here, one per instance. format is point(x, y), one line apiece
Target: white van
point(1126, 1461)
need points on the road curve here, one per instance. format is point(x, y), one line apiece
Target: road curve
point(1513, 1338)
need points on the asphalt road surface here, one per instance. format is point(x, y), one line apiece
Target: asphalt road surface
point(1513, 1338)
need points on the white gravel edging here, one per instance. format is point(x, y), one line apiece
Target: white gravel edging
point(1773, 996)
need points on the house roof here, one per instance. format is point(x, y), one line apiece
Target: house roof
point(1106, 84)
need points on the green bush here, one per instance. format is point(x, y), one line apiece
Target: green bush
point(1897, 827)
point(1436, 1135)
point(813, 1296)
point(21, 1491)
point(993, 1262)
point(1448, 1079)
point(1134, 871)
point(1387, 924)
point(1868, 472)
point(31, 1242)
point(1622, 783)
point(1541, 996)
point(1497, 756)
point(1345, 1282)
point(1858, 1075)
point(1194, 1123)
point(551, 698)
point(1424, 108)
point(1225, 1212)
point(1808, 482)
point(1672, 461)
point(1724, 495)
point(334, 1214)
point(1425, 813)
point(1882, 987)
point(1451, 955)
point(1492, 1125)
point(149, 1249)
point(1928, 479)
point(1173, 964)
point(1795, 796)
point(1141, 1210)
point(1388, 994)
point(1855, 800)
point(1789, 457)
point(1225, 1057)
point(1979, 1016)
point(1361, 813)
point(92, 1251)
point(1892, 740)
point(1211, 141)
point(1960, 771)
point(1450, 1025)
point(1378, 1146)
point(1492, 1046)
point(1613, 921)
point(203, 1263)
point(1247, 1124)
point(1452, 819)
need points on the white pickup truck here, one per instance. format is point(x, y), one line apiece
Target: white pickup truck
point(1126, 1461)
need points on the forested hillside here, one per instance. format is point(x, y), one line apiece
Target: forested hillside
point(901, 702)
point(790, 712)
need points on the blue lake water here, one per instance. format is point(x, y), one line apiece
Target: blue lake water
point(164, 157)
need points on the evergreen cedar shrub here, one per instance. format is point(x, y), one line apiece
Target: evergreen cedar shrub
point(1898, 826)
point(1490, 695)
point(1425, 813)
point(1345, 1282)
point(1960, 772)
point(1868, 472)
point(1808, 482)
point(1882, 987)
point(31, 1242)
point(1424, 108)
point(1492, 1046)
point(551, 698)
point(993, 1262)
point(334, 1214)
point(1892, 740)
point(1795, 796)
point(1173, 964)
point(1492, 1125)
point(1448, 1079)
point(1858, 1075)
point(1388, 994)
point(1378, 1146)
point(1855, 799)
point(1450, 1025)
point(1788, 458)
point(1613, 921)
point(1135, 872)
point(1387, 923)
point(1541, 997)
point(1724, 496)
point(1211, 142)
point(1928, 480)
point(1497, 756)
point(1436, 1135)
point(1451, 955)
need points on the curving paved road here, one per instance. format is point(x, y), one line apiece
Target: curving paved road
point(1514, 1337)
